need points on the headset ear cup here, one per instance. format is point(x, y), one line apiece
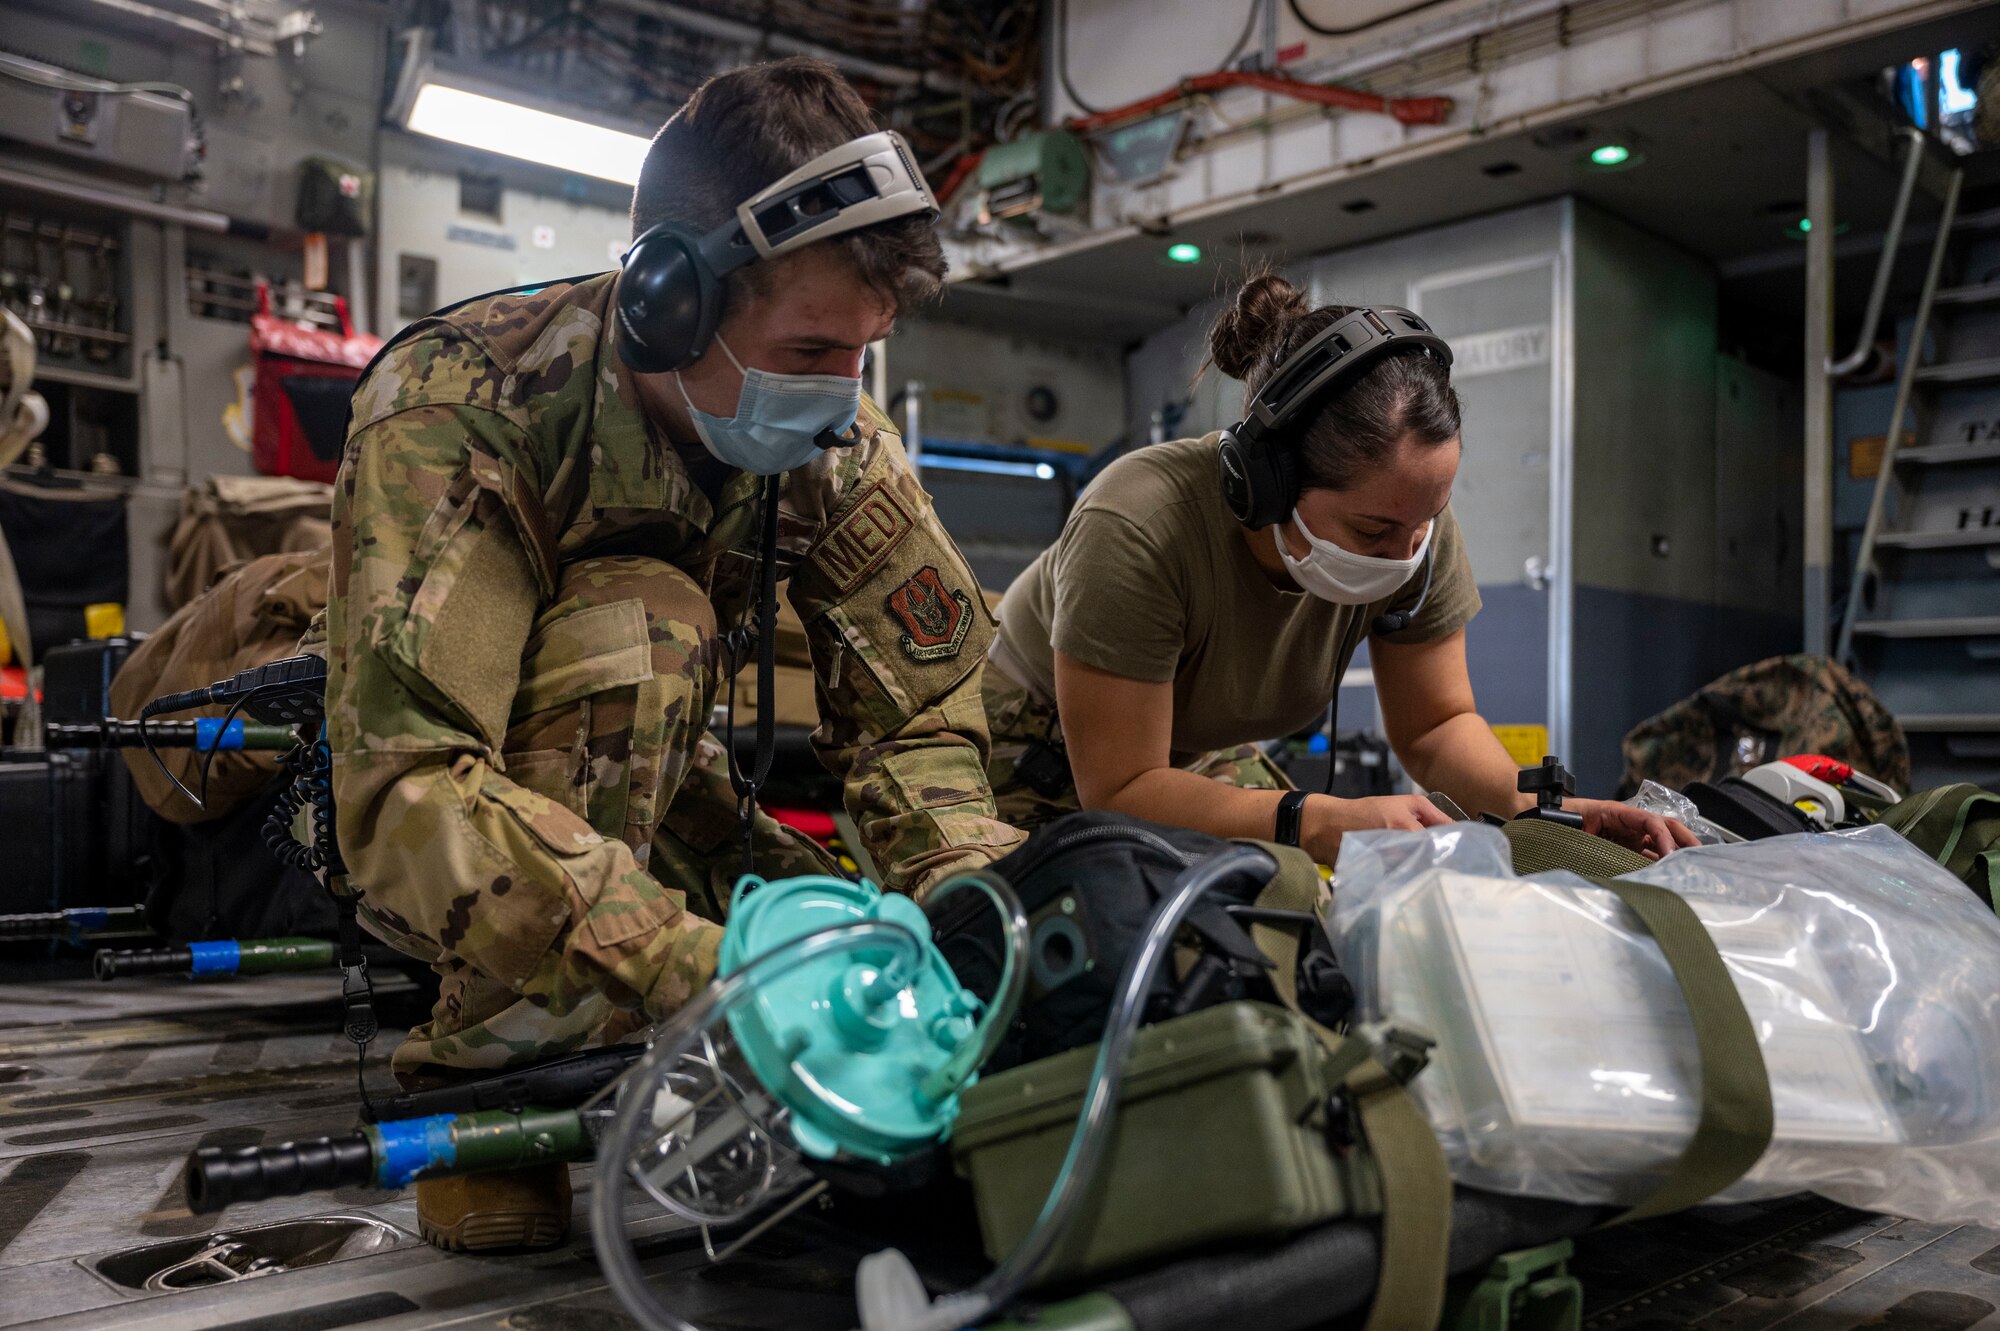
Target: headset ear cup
point(1256, 484)
point(669, 302)
point(1237, 489)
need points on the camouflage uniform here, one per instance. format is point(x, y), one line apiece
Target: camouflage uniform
point(1765, 711)
point(1018, 720)
point(523, 650)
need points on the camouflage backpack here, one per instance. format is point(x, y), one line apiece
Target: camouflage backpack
point(1763, 712)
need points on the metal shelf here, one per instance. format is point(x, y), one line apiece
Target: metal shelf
point(1984, 293)
point(1938, 540)
point(1961, 372)
point(1935, 455)
point(1952, 723)
point(1970, 626)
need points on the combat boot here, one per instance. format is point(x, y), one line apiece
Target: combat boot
point(515, 1208)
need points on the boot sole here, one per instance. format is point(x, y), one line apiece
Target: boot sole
point(497, 1230)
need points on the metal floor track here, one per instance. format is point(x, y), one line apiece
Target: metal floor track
point(104, 1089)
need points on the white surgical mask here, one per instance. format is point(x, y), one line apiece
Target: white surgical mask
point(1334, 573)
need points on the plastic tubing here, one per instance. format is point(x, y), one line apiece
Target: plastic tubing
point(1107, 1077)
point(972, 1055)
point(635, 1110)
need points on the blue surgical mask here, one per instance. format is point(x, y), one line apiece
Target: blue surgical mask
point(779, 417)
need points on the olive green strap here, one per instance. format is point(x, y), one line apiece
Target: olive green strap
point(1416, 1200)
point(1735, 1122)
point(1538, 845)
point(1416, 1184)
point(1966, 807)
point(1295, 887)
point(1983, 874)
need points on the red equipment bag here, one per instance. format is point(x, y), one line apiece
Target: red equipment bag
point(305, 376)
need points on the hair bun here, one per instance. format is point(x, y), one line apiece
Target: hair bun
point(1254, 328)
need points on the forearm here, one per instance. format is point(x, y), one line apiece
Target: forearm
point(920, 798)
point(1462, 758)
point(1183, 799)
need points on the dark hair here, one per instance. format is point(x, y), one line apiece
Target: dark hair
point(748, 127)
point(1399, 397)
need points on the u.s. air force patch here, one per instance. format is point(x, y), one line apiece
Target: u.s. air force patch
point(935, 618)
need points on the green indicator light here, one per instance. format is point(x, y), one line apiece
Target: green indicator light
point(1611, 154)
point(1805, 224)
point(1183, 252)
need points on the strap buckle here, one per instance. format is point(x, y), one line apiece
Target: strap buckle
point(1403, 1051)
point(357, 1002)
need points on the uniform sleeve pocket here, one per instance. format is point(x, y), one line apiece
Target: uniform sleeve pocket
point(609, 895)
point(471, 593)
point(861, 664)
point(593, 650)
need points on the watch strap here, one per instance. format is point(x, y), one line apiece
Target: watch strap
point(1291, 817)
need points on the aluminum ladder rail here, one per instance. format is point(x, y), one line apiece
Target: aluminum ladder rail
point(1866, 574)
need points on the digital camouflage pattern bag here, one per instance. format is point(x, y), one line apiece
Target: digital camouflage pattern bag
point(1763, 712)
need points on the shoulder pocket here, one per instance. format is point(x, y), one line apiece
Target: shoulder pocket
point(472, 593)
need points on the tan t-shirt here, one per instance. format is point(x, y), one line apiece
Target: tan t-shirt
point(1151, 579)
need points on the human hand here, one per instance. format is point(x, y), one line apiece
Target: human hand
point(1326, 818)
point(1648, 833)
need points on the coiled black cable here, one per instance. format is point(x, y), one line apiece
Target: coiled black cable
point(310, 767)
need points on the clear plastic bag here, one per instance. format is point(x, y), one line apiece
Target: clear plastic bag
point(1566, 1065)
point(1656, 798)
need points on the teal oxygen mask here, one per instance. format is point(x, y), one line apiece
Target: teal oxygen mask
point(835, 1034)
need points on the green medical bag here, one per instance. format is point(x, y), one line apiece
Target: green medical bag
point(1222, 1134)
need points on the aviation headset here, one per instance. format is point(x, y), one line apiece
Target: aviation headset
point(1258, 456)
point(670, 298)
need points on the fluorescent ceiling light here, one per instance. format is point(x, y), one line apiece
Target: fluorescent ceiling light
point(514, 130)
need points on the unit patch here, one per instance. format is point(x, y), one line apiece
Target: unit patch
point(859, 542)
point(935, 618)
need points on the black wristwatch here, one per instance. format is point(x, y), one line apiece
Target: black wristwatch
point(1291, 815)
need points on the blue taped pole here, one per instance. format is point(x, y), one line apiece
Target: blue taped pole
point(408, 1147)
point(221, 957)
point(210, 733)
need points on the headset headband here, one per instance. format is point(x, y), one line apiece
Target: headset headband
point(864, 181)
point(1354, 342)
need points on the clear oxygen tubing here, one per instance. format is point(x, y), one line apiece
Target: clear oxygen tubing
point(674, 1039)
point(1100, 1098)
point(685, 1029)
point(972, 1055)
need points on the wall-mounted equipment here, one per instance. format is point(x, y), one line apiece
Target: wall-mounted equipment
point(1143, 150)
point(433, 99)
point(1045, 172)
point(67, 281)
point(334, 197)
point(143, 130)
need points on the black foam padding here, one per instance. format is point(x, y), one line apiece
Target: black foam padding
point(1327, 1272)
point(218, 1177)
point(110, 963)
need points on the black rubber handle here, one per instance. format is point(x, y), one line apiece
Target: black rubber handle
point(111, 963)
point(217, 1176)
